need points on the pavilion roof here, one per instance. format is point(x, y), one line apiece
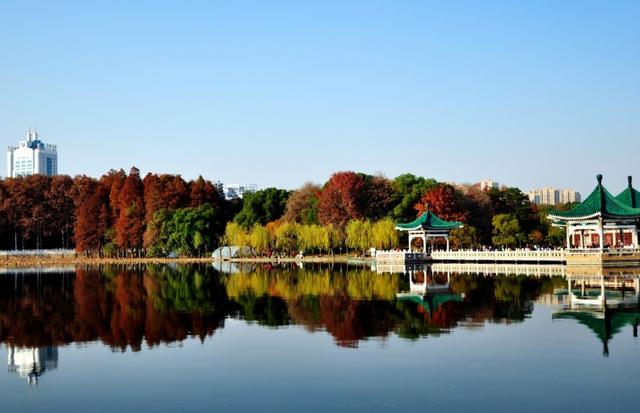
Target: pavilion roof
point(428, 220)
point(432, 302)
point(630, 196)
point(600, 203)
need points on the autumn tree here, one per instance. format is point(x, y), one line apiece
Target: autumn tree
point(302, 205)
point(341, 199)
point(377, 197)
point(445, 202)
point(203, 192)
point(59, 200)
point(130, 224)
point(92, 214)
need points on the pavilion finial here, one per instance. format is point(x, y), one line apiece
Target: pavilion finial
point(599, 178)
point(630, 178)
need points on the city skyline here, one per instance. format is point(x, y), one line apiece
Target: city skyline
point(281, 94)
point(232, 190)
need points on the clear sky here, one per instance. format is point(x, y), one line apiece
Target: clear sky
point(277, 93)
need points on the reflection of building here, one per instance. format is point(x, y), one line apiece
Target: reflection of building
point(31, 363)
point(429, 290)
point(604, 304)
point(31, 157)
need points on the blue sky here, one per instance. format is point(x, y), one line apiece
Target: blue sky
point(277, 93)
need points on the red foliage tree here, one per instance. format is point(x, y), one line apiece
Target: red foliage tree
point(130, 224)
point(341, 199)
point(444, 202)
point(114, 181)
point(92, 215)
point(201, 192)
point(59, 199)
point(176, 191)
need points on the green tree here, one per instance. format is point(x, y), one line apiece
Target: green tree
point(359, 235)
point(262, 207)
point(234, 234)
point(287, 236)
point(190, 231)
point(465, 237)
point(259, 238)
point(506, 230)
point(384, 234)
point(408, 190)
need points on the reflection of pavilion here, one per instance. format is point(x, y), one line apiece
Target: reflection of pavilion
point(604, 304)
point(427, 289)
point(31, 363)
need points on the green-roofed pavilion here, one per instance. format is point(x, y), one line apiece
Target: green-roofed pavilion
point(600, 221)
point(630, 196)
point(428, 226)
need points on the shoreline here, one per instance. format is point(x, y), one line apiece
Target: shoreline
point(20, 261)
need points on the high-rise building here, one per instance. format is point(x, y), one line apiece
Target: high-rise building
point(487, 184)
point(31, 157)
point(553, 196)
point(232, 191)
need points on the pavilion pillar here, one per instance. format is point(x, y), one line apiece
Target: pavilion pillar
point(621, 242)
point(582, 244)
point(447, 238)
point(424, 244)
point(410, 241)
point(568, 237)
point(601, 231)
point(634, 238)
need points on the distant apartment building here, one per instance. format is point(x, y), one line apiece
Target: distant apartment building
point(487, 184)
point(233, 191)
point(553, 196)
point(31, 157)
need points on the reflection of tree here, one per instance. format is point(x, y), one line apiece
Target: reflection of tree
point(125, 307)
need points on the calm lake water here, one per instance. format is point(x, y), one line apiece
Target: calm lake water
point(197, 338)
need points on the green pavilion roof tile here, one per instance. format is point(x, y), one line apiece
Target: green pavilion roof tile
point(630, 196)
point(599, 203)
point(429, 220)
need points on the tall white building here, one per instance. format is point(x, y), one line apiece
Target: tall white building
point(32, 156)
point(232, 191)
point(487, 184)
point(553, 196)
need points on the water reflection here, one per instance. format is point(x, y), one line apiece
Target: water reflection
point(31, 363)
point(129, 307)
point(604, 303)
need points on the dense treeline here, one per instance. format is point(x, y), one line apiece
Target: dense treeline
point(123, 214)
point(118, 214)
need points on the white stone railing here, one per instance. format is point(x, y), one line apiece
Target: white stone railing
point(608, 251)
point(400, 256)
point(497, 256)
